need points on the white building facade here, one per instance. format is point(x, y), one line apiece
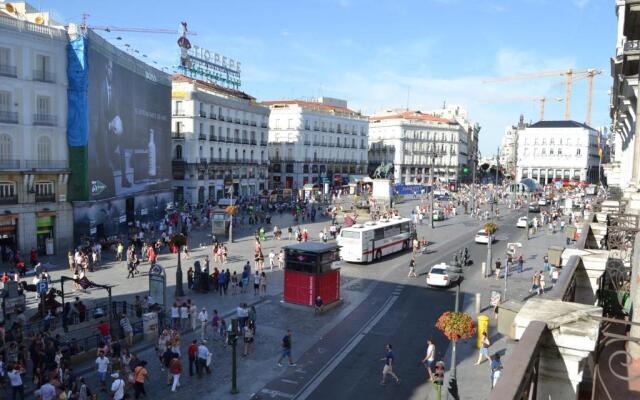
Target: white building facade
point(219, 141)
point(316, 143)
point(551, 150)
point(508, 150)
point(419, 142)
point(35, 213)
point(623, 170)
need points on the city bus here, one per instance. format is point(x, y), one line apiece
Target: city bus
point(362, 243)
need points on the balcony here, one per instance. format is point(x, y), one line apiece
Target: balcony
point(202, 136)
point(41, 75)
point(245, 122)
point(307, 143)
point(213, 116)
point(236, 120)
point(263, 125)
point(47, 165)
point(245, 141)
point(45, 119)
point(179, 113)
point(203, 160)
point(213, 138)
point(6, 200)
point(253, 123)
point(263, 143)
point(45, 198)
point(9, 117)
point(177, 135)
point(8, 70)
point(253, 142)
point(632, 47)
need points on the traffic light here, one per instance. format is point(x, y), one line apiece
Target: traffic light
point(453, 389)
point(465, 170)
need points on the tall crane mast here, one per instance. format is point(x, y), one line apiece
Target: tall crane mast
point(570, 76)
point(112, 28)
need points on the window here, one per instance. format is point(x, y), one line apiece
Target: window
point(44, 188)
point(178, 152)
point(277, 124)
point(551, 151)
point(6, 147)
point(559, 151)
point(7, 190)
point(350, 234)
point(44, 148)
point(289, 123)
point(5, 59)
point(578, 151)
point(5, 101)
point(179, 107)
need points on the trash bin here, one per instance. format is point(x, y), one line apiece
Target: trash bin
point(555, 255)
point(483, 327)
point(507, 312)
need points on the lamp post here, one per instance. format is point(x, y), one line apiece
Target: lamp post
point(453, 382)
point(231, 216)
point(179, 240)
point(233, 341)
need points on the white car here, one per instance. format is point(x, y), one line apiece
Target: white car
point(522, 222)
point(483, 237)
point(542, 202)
point(440, 276)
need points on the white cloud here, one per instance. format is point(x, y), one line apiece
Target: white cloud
point(581, 3)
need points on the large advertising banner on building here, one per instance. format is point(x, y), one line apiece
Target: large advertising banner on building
point(129, 129)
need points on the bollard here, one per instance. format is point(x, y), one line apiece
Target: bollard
point(483, 326)
point(478, 301)
point(484, 269)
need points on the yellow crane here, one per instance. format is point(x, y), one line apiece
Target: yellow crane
point(570, 76)
point(539, 99)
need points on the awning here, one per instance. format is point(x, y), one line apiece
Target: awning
point(356, 178)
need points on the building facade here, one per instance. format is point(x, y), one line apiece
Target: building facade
point(220, 138)
point(319, 142)
point(623, 170)
point(549, 150)
point(34, 208)
point(420, 142)
point(509, 148)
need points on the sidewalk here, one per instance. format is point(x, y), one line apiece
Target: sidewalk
point(474, 381)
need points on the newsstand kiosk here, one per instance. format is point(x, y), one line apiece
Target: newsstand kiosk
point(310, 270)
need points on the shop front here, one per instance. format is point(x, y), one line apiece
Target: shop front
point(8, 236)
point(45, 228)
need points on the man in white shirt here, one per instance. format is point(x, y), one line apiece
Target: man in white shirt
point(429, 358)
point(203, 317)
point(48, 391)
point(202, 360)
point(117, 387)
point(103, 367)
point(17, 388)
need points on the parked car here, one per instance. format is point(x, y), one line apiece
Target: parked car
point(542, 202)
point(523, 222)
point(483, 237)
point(438, 215)
point(439, 275)
point(534, 208)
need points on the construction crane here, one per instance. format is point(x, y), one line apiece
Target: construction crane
point(569, 74)
point(541, 100)
point(111, 28)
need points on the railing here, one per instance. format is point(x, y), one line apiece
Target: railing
point(41, 75)
point(520, 379)
point(263, 125)
point(632, 46)
point(45, 119)
point(44, 164)
point(202, 114)
point(9, 117)
point(213, 138)
point(202, 136)
point(253, 123)
point(253, 141)
point(179, 113)
point(9, 199)
point(263, 143)
point(565, 288)
point(8, 70)
point(177, 135)
point(45, 198)
point(213, 116)
point(307, 143)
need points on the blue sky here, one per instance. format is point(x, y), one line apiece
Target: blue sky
point(372, 53)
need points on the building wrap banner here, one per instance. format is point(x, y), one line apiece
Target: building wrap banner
point(129, 128)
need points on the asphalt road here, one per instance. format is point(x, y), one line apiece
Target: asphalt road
point(409, 322)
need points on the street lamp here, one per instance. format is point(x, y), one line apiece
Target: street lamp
point(178, 240)
point(453, 382)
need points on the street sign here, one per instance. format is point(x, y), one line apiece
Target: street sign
point(42, 287)
point(97, 187)
point(158, 285)
point(495, 297)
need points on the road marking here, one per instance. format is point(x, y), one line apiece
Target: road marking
point(276, 393)
point(289, 381)
point(321, 375)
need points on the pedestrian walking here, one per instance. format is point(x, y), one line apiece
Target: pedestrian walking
point(429, 358)
point(484, 349)
point(117, 387)
point(498, 268)
point(175, 368)
point(127, 329)
point(192, 352)
point(438, 379)
point(193, 314)
point(15, 379)
point(249, 333)
point(554, 275)
point(203, 360)
point(256, 283)
point(541, 284)
point(520, 263)
point(496, 369)
point(140, 375)
point(412, 268)
point(263, 284)
point(388, 365)
point(286, 349)
point(545, 263)
point(535, 283)
point(203, 317)
point(102, 364)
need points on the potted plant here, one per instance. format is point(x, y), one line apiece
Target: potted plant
point(490, 228)
point(456, 325)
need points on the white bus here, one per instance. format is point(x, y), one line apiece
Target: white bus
point(372, 240)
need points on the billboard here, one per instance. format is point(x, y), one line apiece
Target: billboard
point(129, 141)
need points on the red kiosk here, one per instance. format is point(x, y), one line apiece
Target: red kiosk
point(309, 271)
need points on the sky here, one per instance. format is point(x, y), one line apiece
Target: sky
point(384, 54)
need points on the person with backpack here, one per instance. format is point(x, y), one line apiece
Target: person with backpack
point(286, 349)
point(118, 386)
